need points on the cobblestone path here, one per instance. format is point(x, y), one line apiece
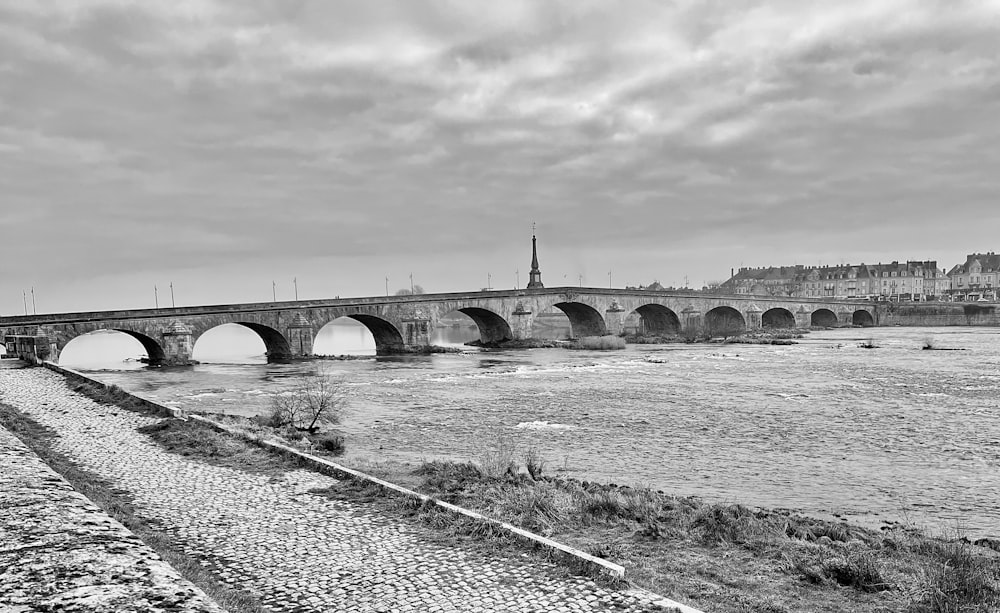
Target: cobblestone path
point(294, 550)
point(59, 552)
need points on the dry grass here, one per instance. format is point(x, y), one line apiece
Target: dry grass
point(197, 440)
point(735, 558)
point(118, 504)
point(113, 396)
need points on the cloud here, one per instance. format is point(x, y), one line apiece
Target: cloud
point(312, 132)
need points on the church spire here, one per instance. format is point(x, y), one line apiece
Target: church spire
point(535, 276)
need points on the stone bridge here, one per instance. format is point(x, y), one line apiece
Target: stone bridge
point(401, 323)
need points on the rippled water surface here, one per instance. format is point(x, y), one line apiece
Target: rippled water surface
point(824, 426)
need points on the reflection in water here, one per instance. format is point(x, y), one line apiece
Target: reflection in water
point(823, 426)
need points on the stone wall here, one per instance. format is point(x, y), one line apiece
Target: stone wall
point(941, 314)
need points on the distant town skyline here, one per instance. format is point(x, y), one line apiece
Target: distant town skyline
point(231, 148)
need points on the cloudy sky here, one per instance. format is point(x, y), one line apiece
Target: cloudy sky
point(222, 145)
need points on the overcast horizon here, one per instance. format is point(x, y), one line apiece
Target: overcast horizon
point(225, 146)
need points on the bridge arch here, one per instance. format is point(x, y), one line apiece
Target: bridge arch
point(823, 317)
point(388, 338)
point(492, 327)
point(344, 336)
point(276, 346)
point(154, 351)
point(777, 318)
point(724, 321)
point(862, 318)
point(584, 320)
point(658, 320)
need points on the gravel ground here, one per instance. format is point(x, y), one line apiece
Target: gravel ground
point(294, 550)
point(59, 552)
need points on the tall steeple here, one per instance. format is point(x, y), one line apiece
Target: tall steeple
point(535, 276)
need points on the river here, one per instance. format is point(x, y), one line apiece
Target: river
point(894, 433)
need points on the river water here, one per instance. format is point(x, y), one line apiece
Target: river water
point(894, 433)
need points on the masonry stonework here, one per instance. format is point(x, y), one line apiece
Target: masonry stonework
point(401, 323)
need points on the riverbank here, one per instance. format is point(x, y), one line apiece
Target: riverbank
point(718, 557)
point(265, 525)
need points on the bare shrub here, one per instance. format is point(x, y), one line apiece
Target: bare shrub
point(315, 400)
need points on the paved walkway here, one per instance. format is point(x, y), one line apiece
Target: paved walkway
point(294, 550)
point(59, 552)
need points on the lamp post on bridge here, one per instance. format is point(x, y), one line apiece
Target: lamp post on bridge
point(156, 297)
point(172, 303)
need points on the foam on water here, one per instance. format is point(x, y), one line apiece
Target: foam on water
point(541, 425)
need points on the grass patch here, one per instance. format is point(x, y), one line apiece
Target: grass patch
point(732, 558)
point(197, 440)
point(118, 504)
point(114, 396)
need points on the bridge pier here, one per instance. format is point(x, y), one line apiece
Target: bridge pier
point(416, 331)
point(614, 318)
point(846, 318)
point(803, 317)
point(35, 347)
point(753, 317)
point(300, 336)
point(691, 322)
point(178, 344)
point(521, 321)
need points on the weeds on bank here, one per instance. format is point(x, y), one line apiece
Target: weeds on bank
point(119, 505)
point(194, 439)
point(114, 396)
point(902, 570)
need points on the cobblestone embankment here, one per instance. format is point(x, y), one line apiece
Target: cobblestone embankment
point(59, 552)
point(294, 550)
